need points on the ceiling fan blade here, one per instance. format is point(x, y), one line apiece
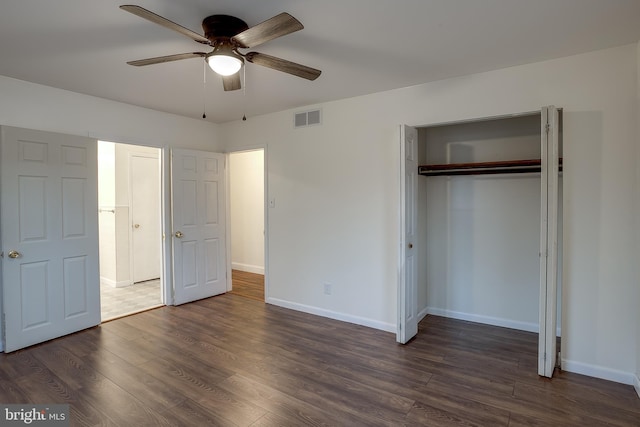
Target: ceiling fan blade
point(278, 26)
point(283, 65)
point(150, 16)
point(231, 82)
point(168, 58)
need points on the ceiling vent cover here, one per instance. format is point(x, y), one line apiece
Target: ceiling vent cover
point(307, 118)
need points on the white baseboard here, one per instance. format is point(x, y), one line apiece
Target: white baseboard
point(247, 267)
point(478, 318)
point(375, 324)
point(600, 372)
point(114, 284)
point(423, 314)
point(636, 383)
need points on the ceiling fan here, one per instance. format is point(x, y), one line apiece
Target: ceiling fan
point(226, 34)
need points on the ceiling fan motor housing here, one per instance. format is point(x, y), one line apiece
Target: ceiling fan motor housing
point(218, 27)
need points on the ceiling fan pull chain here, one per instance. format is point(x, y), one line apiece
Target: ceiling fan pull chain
point(244, 93)
point(204, 89)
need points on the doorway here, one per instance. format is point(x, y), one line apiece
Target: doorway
point(490, 193)
point(247, 219)
point(129, 218)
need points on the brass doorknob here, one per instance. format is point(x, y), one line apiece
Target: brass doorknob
point(136, 225)
point(179, 234)
point(14, 254)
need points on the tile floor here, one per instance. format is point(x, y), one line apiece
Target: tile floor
point(118, 302)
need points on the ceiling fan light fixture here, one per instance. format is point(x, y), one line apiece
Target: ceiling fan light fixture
point(224, 61)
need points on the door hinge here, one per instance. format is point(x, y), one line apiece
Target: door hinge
point(544, 357)
point(547, 127)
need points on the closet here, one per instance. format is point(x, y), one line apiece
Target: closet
point(488, 218)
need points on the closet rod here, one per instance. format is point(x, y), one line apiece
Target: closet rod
point(483, 168)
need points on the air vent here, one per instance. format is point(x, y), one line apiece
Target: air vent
point(307, 118)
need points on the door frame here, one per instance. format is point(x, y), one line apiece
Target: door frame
point(265, 180)
point(166, 271)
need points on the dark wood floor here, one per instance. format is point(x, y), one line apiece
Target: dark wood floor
point(231, 360)
point(249, 285)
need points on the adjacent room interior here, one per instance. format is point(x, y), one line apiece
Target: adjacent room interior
point(246, 194)
point(130, 233)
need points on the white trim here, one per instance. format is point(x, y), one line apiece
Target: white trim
point(601, 372)
point(402, 218)
point(422, 314)
point(247, 267)
point(636, 383)
point(166, 275)
point(115, 284)
point(488, 320)
point(387, 327)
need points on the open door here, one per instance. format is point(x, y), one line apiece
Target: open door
point(547, 352)
point(51, 281)
point(407, 326)
point(198, 204)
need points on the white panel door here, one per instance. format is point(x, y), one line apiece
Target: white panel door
point(550, 131)
point(198, 200)
point(51, 283)
point(145, 217)
point(407, 274)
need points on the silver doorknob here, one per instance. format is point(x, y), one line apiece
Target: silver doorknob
point(179, 234)
point(14, 254)
point(136, 225)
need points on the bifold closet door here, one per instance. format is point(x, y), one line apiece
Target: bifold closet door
point(547, 352)
point(407, 326)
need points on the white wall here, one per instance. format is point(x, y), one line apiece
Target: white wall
point(33, 106)
point(247, 210)
point(336, 186)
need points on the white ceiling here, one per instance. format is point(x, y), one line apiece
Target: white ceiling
point(361, 46)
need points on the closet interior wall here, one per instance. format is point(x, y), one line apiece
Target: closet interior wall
point(480, 234)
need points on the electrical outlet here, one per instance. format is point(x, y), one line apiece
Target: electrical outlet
point(327, 288)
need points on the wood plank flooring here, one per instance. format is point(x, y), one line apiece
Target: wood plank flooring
point(249, 285)
point(231, 360)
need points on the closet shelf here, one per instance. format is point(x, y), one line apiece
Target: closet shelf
point(482, 168)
